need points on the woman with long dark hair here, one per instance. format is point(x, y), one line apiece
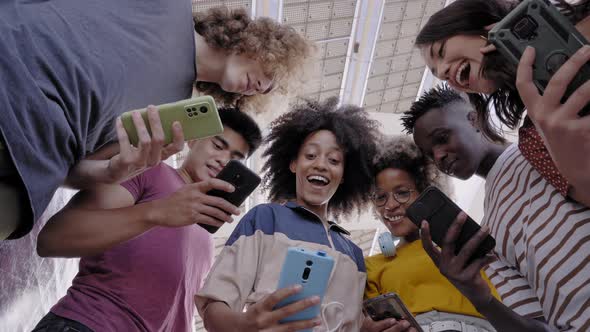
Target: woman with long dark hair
point(455, 47)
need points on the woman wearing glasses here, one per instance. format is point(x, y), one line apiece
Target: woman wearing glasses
point(401, 172)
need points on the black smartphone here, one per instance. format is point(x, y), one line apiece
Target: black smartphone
point(440, 212)
point(539, 24)
point(389, 306)
point(242, 178)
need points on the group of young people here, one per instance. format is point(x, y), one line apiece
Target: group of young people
point(145, 264)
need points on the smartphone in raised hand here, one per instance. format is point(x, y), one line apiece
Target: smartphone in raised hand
point(244, 181)
point(198, 117)
point(539, 24)
point(312, 270)
point(389, 305)
point(440, 213)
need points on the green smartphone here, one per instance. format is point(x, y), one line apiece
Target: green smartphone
point(198, 117)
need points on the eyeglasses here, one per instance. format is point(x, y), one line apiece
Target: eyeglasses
point(402, 196)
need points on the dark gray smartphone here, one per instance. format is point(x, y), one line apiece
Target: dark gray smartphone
point(242, 178)
point(389, 305)
point(440, 212)
point(539, 24)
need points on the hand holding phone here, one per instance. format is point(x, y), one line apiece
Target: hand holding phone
point(466, 278)
point(131, 160)
point(387, 306)
point(198, 118)
point(539, 24)
point(311, 270)
point(244, 181)
point(439, 211)
point(264, 314)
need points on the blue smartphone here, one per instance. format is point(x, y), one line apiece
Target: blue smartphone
point(311, 269)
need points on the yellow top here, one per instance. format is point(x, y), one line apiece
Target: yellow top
point(413, 276)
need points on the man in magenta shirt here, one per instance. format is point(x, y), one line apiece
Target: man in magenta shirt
point(143, 257)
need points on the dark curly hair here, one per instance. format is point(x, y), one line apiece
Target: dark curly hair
point(400, 152)
point(355, 132)
point(242, 124)
point(283, 52)
point(437, 98)
point(470, 17)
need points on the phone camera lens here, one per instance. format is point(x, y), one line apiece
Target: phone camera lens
point(190, 115)
point(306, 273)
point(203, 109)
point(309, 263)
point(196, 113)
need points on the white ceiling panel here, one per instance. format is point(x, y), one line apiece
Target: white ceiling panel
point(416, 60)
point(410, 90)
point(396, 79)
point(404, 104)
point(404, 45)
point(414, 9)
point(331, 82)
point(380, 66)
point(320, 11)
point(336, 48)
point(328, 94)
point(334, 65)
point(295, 14)
point(432, 6)
point(373, 98)
point(344, 9)
point(340, 28)
point(400, 62)
point(393, 11)
point(389, 30)
point(414, 75)
point(391, 95)
point(410, 27)
point(202, 5)
point(376, 83)
point(317, 31)
point(388, 107)
point(384, 48)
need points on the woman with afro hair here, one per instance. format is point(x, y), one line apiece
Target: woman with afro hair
point(318, 169)
point(401, 173)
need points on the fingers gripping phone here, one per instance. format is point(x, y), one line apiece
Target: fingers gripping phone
point(440, 212)
point(311, 269)
point(539, 24)
point(389, 306)
point(198, 117)
point(242, 178)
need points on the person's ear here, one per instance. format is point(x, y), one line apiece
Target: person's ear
point(472, 118)
point(489, 47)
point(293, 166)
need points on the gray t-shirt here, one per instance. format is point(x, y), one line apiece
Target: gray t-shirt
point(70, 67)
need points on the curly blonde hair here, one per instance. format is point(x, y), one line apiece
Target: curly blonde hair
point(284, 53)
point(401, 152)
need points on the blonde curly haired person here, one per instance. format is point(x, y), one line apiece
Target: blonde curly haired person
point(71, 69)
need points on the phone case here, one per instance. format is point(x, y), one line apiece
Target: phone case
point(440, 212)
point(310, 269)
point(242, 178)
point(539, 24)
point(389, 305)
point(198, 117)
